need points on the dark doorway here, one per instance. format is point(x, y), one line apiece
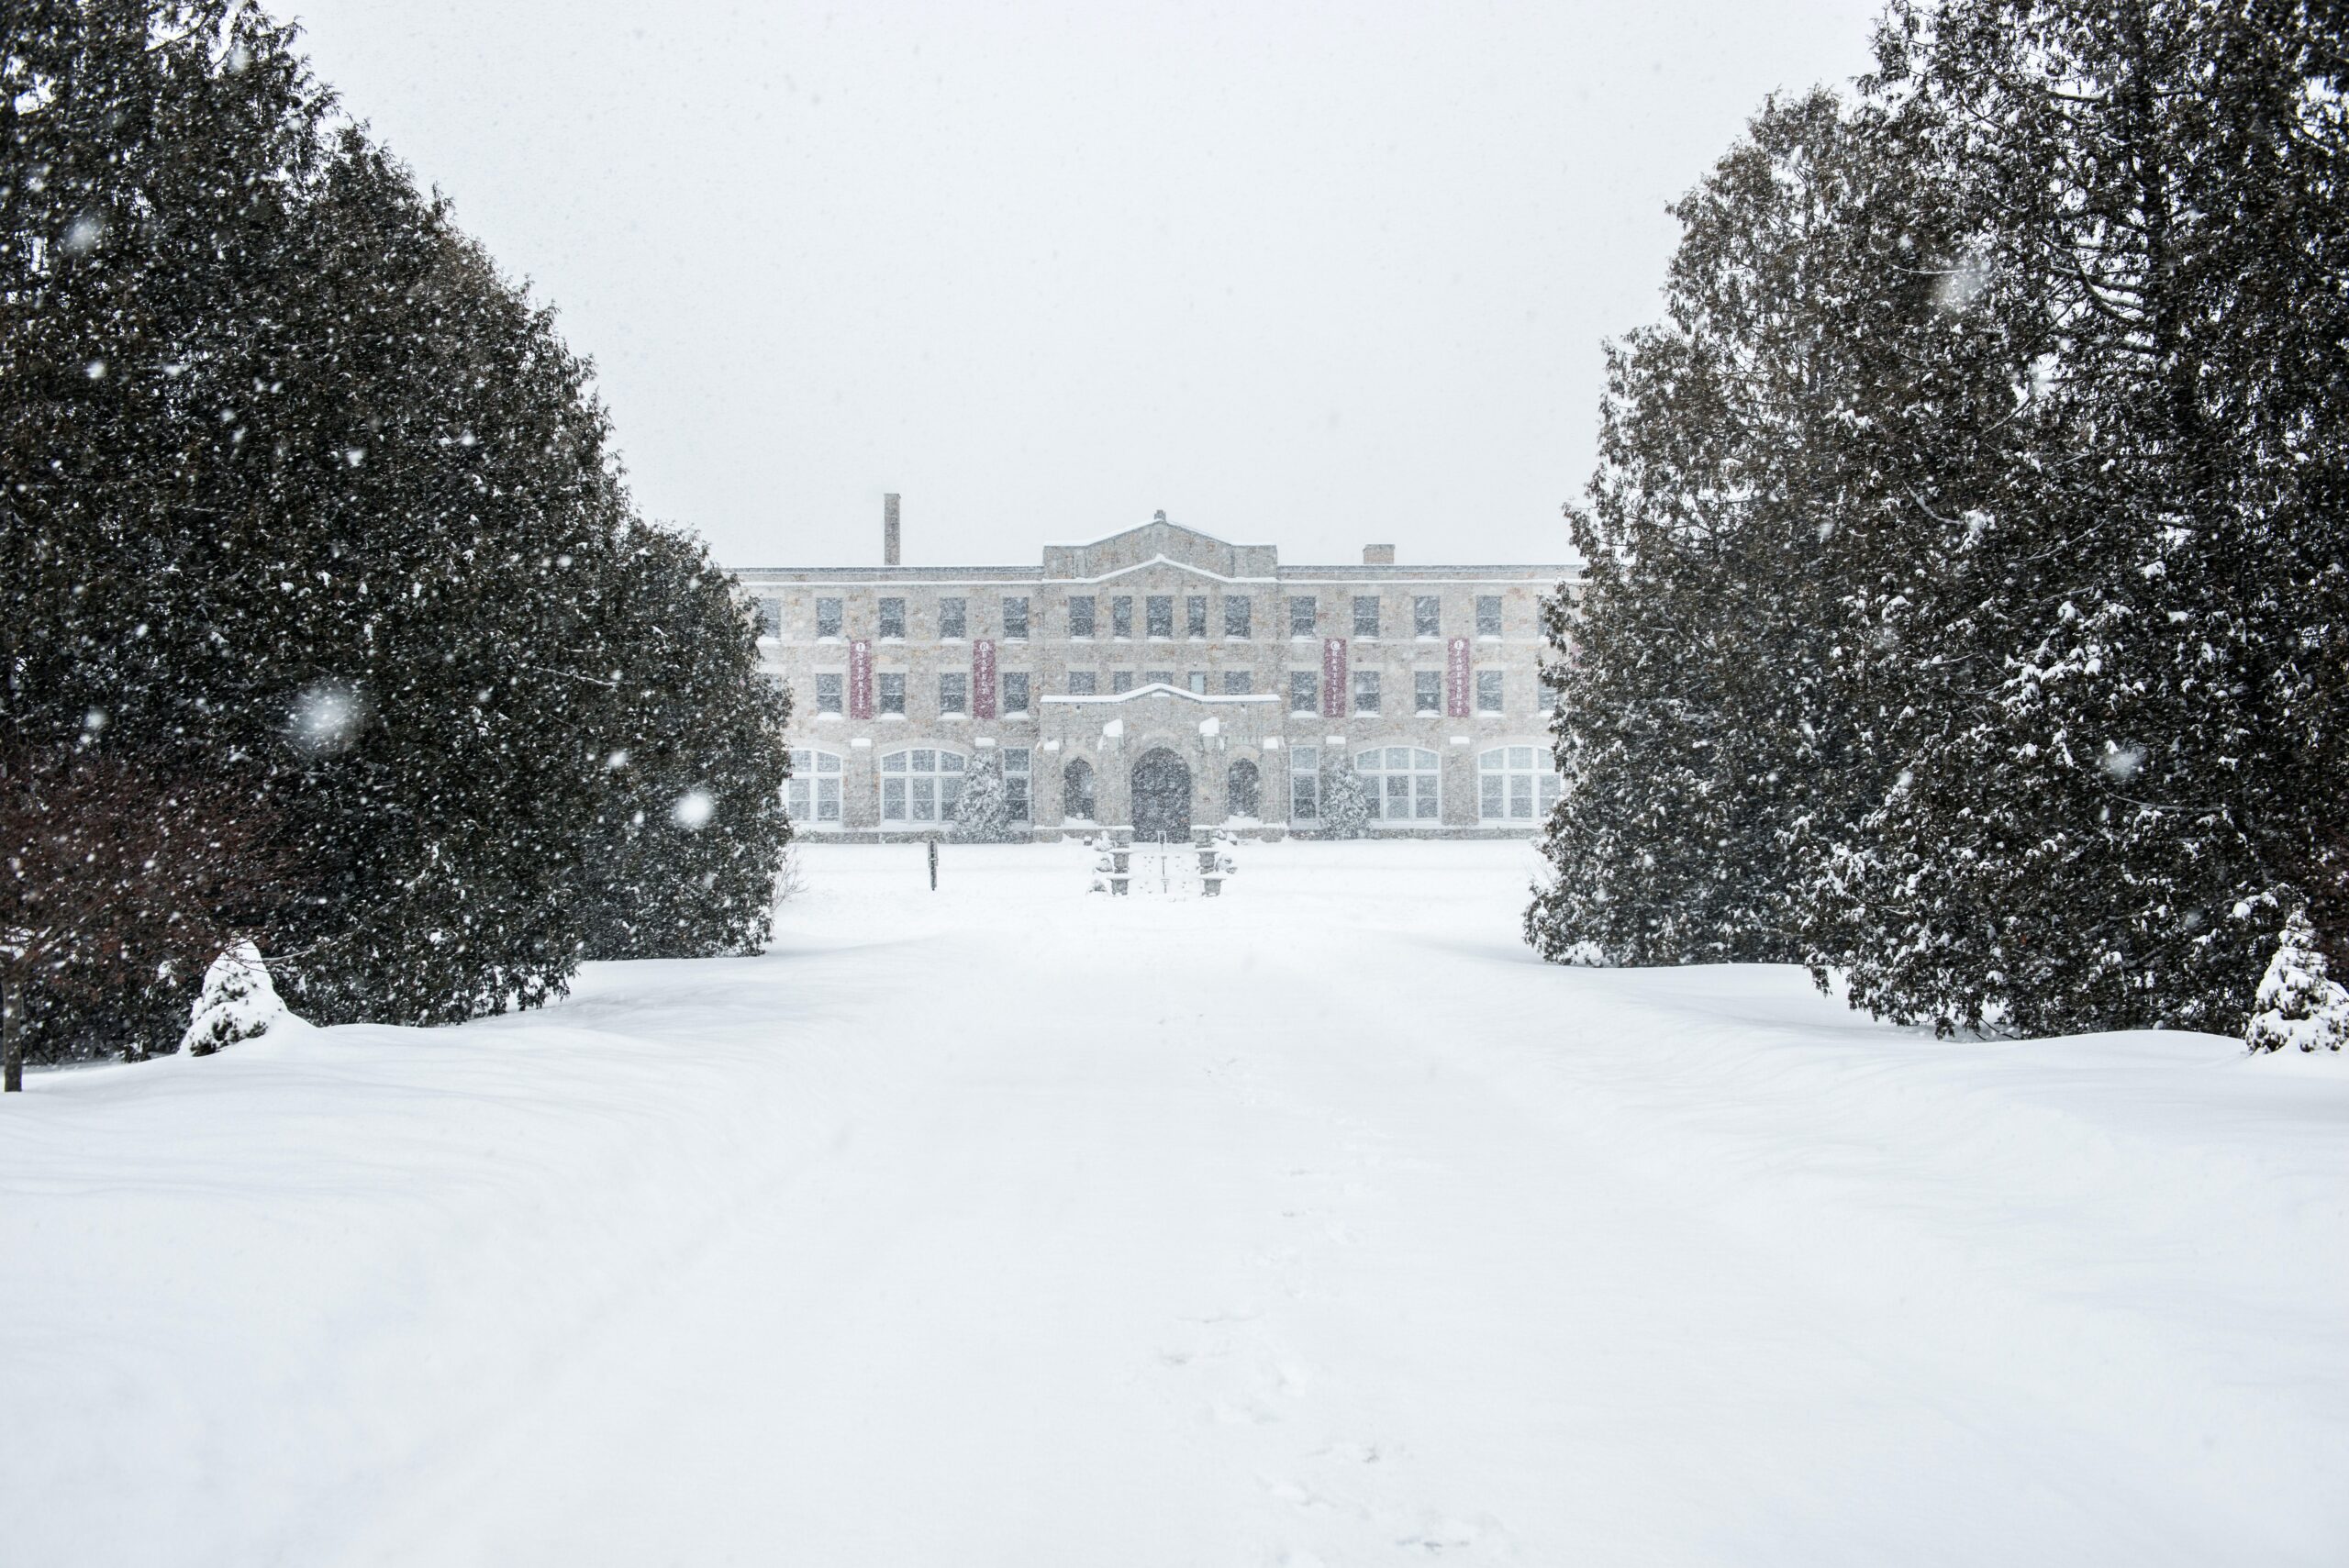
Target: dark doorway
point(1243, 792)
point(1162, 797)
point(1077, 790)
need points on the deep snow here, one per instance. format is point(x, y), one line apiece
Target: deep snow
point(1009, 1224)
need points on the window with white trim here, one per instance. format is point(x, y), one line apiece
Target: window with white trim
point(1405, 783)
point(1427, 615)
point(1014, 692)
point(1516, 784)
point(827, 617)
point(893, 694)
point(1427, 691)
point(954, 617)
point(812, 794)
point(1304, 784)
point(1488, 690)
point(1019, 764)
point(831, 689)
point(1489, 614)
point(955, 692)
point(921, 785)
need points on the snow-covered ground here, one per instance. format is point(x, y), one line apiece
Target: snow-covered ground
point(1011, 1226)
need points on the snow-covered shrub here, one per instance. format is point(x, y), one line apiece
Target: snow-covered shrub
point(2298, 1005)
point(238, 1003)
point(1345, 804)
point(982, 814)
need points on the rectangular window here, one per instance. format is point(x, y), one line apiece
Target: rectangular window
point(827, 617)
point(1016, 764)
point(954, 692)
point(1237, 612)
point(892, 695)
point(1304, 690)
point(1194, 616)
point(1081, 682)
point(1554, 696)
point(1365, 615)
point(1080, 616)
point(1365, 691)
point(1427, 691)
point(1488, 690)
point(1015, 690)
point(1304, 784)
point(1015, 618)
point(1304, 618)
point(769, 614)
point(1122, 615)
point(1427, 615)
point(1158, 677)
point(1199, 678)
point(893, 617)
point(954, 617)
point(1237, 683)
point(1489, 614)
point(1160, 610)
point(1120, 681)
point(830, 693)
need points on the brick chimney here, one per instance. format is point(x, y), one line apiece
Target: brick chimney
point(1378, 555)
point(889, 529)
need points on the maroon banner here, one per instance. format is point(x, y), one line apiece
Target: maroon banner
point(860, 679)
point(1334, 677)
point(1455, 679)
point(982, 678)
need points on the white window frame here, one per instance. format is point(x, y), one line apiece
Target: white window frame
point(1304, 783)
point(915, 796)
point(1405, 782)
point(813, 789)
point(1516, 785)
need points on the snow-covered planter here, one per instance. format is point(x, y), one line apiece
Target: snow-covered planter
point(239, 1003)
point(2298, 1005)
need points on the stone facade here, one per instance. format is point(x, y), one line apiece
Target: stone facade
point(1162, 680)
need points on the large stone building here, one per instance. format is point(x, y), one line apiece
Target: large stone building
point(1162, 680)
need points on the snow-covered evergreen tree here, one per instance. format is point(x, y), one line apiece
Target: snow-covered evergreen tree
point(1768, 453)
point(305, 501)
point(1345, 802)
point(2094, 825)
point(982, 812)
point(238, 1002)
point(2298, 1006)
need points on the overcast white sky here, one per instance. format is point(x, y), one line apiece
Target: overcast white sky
point(1316, 274)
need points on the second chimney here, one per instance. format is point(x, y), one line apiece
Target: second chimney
point(1378, 555)
point(889, 531)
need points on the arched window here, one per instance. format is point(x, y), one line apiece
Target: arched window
point(1077, 790)
point(1244, 790)
point(1405, 783)
point(920, 785)
point(1515, 783)
point(812, 795)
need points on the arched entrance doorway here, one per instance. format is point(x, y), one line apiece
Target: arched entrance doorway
point(1243, 791)
point(1162, 796)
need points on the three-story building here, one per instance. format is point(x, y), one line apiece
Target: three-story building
point(1162, 679)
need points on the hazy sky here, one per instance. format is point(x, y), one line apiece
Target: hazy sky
point(1313, 274)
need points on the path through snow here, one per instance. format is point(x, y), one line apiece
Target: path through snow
point(1316, 1224)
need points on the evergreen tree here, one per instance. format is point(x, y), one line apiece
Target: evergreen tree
point(691, 834)
point(1345, 804)
point(1770, 456)
point(312, 504)
point(2298, 1004)
point(982, 812)
point(2152, 617)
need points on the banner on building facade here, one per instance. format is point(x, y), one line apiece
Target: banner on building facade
point(860, 679)
point(1455, 679)
point(1334, 677)
point(982, 678)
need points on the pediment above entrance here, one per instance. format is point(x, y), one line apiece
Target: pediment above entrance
point(1160, 541)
